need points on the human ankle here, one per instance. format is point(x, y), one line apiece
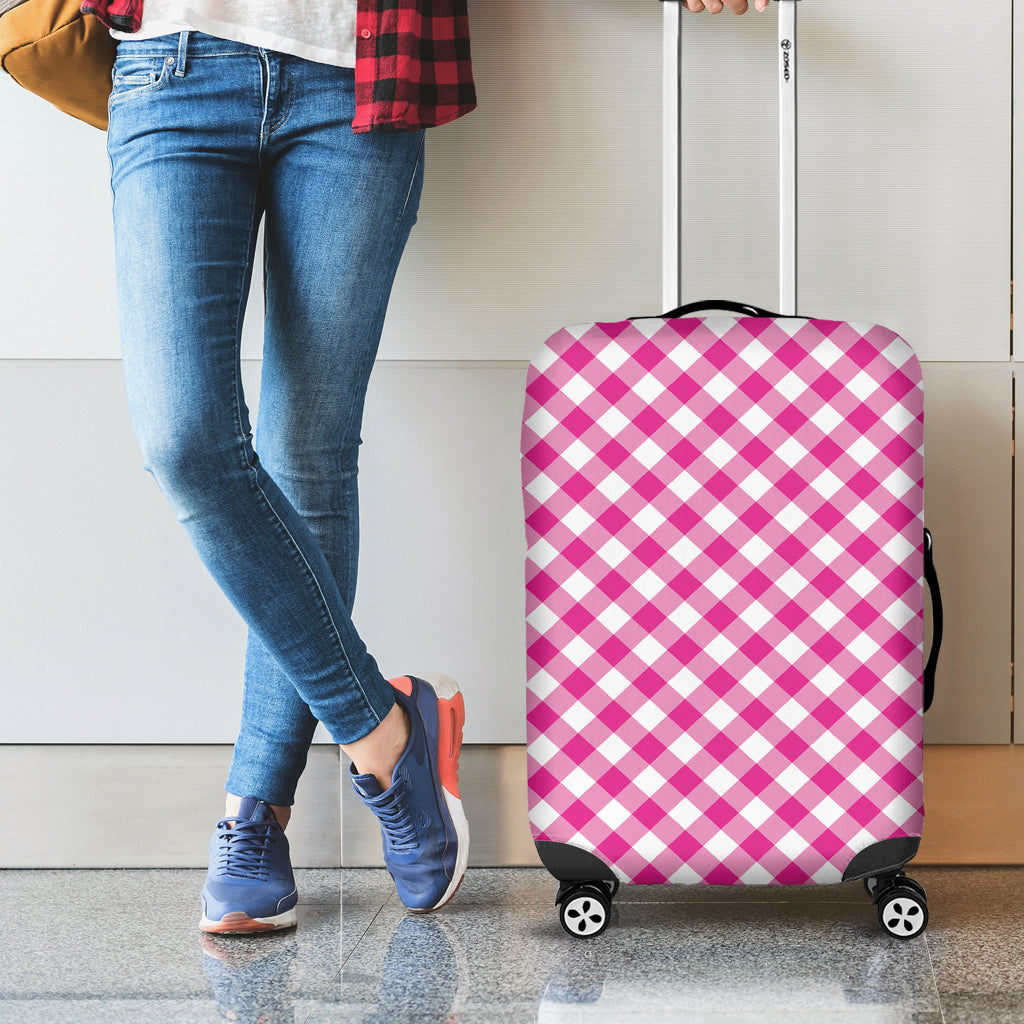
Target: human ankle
point(379, 752)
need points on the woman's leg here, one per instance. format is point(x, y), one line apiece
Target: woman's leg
point(189, 166)
point(339, 209)
point(201, 137)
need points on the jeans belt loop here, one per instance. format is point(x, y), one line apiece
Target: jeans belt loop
point(179, 69)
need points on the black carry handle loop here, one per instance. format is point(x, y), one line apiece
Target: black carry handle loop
point(743, 308)
point(932, 579)
point(724, 304)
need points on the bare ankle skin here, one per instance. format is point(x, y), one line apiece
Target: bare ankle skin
point(232, 804)
point(377, 753)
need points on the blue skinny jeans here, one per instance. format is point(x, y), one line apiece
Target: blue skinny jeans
point(206, 138)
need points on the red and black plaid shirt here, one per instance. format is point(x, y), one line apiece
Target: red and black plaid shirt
point(413, 68)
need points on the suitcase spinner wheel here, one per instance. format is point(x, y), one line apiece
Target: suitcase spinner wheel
point(585, 907)
point(902, 905)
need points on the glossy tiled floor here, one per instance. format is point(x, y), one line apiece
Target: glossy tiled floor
point(122, 946)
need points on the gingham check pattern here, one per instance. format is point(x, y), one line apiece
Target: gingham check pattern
point(724, 596)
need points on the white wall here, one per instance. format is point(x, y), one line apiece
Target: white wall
point(542, 208)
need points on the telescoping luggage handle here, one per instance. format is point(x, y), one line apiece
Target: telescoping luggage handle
point(671, 141)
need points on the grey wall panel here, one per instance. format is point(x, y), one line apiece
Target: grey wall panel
point(57, 281)
point(1017, 227)
point(110, 629)
point(112, 632)
point(57, 284)
point(904, 167)
point(443, 543)
point(1017, 718)
point(968, 507)
point(95, 792)
point(80, 806)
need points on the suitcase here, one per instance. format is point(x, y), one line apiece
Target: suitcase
point(725, 602)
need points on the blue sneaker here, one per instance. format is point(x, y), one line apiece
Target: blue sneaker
point(426, 836)
point(249, 887)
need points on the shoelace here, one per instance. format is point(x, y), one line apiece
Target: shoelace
point(244, 849)
point(397, 822)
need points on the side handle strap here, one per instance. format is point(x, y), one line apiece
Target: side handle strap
point(932, 579)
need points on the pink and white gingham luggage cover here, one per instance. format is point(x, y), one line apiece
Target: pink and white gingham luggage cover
point(725, 598)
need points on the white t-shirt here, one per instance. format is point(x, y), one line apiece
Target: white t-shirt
point(320, 30)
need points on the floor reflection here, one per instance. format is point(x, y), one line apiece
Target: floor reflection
point(717, 986)
point(251, 976)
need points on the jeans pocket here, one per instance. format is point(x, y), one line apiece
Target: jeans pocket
point(135, 75)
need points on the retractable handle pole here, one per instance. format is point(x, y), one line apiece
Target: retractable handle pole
point(671, 111)
point(671, 260)
point(787, 157)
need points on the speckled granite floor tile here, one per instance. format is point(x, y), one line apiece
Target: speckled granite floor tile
point(98, 946)
point(976, 940)
point(499, 951)
point(94, 947)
